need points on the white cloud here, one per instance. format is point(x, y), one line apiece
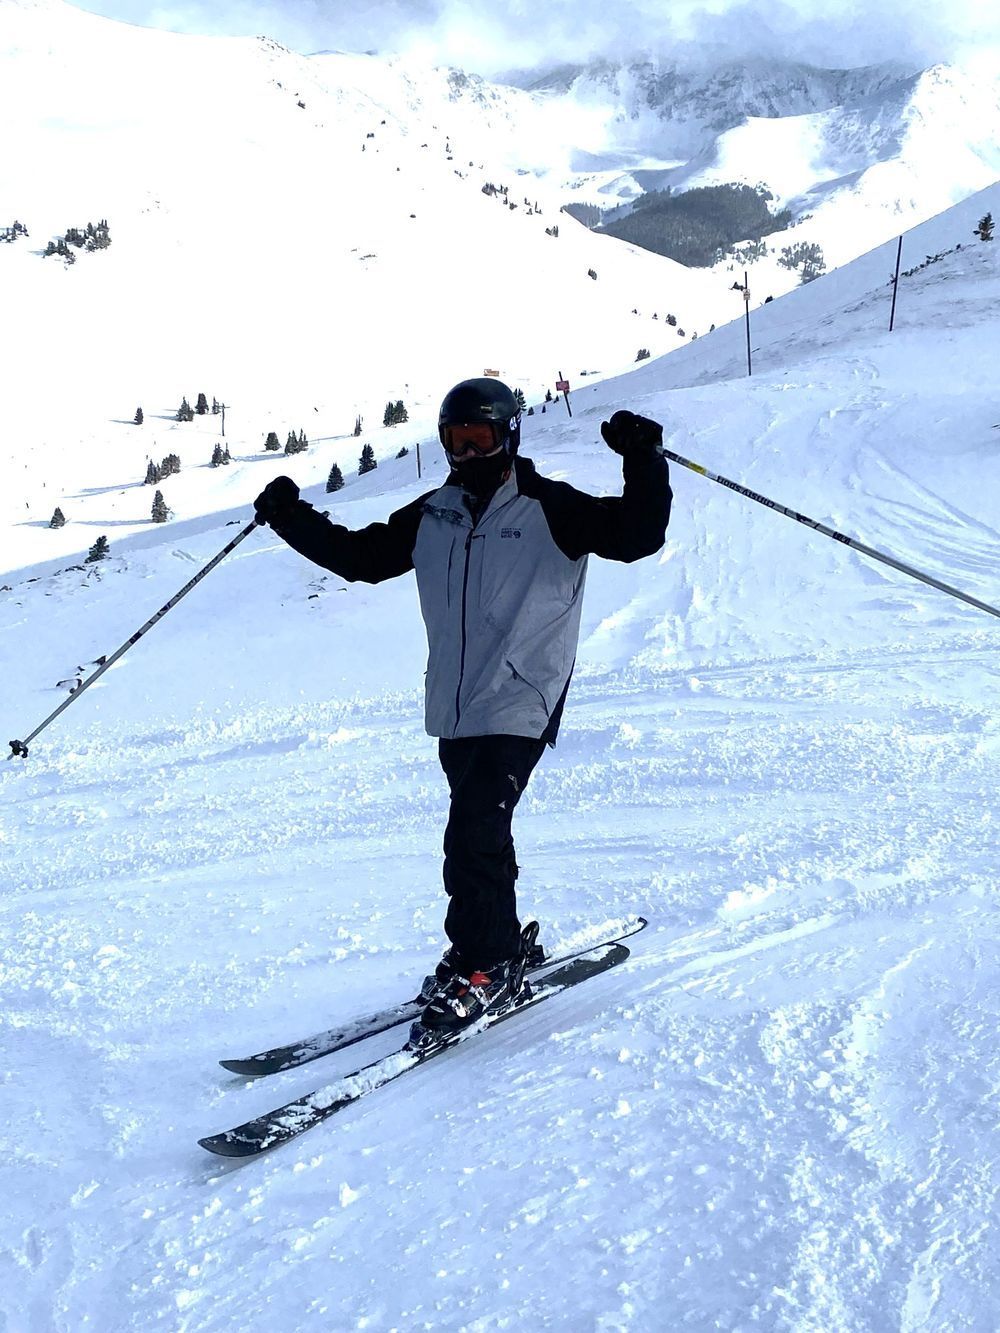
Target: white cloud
point(516, 34)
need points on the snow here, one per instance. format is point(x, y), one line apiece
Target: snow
point(781, 1113)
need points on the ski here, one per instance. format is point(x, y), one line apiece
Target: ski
point(296, 1053)
point(288, 1122)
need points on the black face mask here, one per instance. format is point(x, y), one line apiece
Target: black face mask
point(482, 476)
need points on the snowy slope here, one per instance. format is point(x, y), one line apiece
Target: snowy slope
point(303, 240)
point(780, 1114)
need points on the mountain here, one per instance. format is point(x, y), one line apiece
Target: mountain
point(303, 239)
point(856, 155)
point(780, 1113)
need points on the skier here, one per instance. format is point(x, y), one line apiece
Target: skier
point(500, 555)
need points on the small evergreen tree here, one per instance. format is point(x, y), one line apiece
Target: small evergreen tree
point(160, 511)
point(548, 395)
point(335, 480)
point(985, 229)
point(201, 407)
point(152, 474)
point(367, 461)
point(138, 416)
point(217, 456)
point(226, 455)
point(357, 426)
point(642, 354)
point(399, 413)
point(185, 412)
point(387, 415)
point(170, 466)
point(403, 452)
point(99, 551)
point(519, 398)
point(216, 407)
point(272, 444)
point(58, 518)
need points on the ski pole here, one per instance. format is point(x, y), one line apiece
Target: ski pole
point(837, 536)
point(20, 748)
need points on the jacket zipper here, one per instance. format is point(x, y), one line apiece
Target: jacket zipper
point(461, 660)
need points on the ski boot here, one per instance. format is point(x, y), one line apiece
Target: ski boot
point(451, 964)
point(464, 999)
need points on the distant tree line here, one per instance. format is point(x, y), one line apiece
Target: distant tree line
point(589, 214)
point(92, 237)
point(696, 226)
point(157, 471)
point(807, 257)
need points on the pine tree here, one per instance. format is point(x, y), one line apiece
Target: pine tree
point(399, 413)
point(58, 518)
point(387, 415)
point(357, 426)
point(642, 354)
point(226, 455)
point(519, 399)
point(216, 408)
point(367, 461)
point(99, 551)
point(985, 229)
point(217, 456)
point(138, 416)
point(185, 412)
point(202, 405)
point(335, 480)
point(403, 452)
point(160, 511)
point(170, 466)
point(272, 444)
point(152, 474)
point(548, 395)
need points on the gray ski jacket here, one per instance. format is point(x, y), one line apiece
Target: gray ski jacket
point(501, 596)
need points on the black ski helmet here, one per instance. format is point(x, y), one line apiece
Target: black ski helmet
point(483, 399)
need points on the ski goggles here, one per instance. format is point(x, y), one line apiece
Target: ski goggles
point(482, 437)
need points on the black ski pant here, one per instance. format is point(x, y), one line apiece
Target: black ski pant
point(486, 775)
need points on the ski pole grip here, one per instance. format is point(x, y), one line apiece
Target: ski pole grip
point(18, 750)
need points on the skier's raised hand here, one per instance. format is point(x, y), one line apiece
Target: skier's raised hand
point(276, 501)
point(626, 432)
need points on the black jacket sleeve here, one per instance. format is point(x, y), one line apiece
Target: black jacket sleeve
point(368, 555)
point(617, 527)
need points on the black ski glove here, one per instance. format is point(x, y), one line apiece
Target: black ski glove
point(276, 502)
point(626, 433)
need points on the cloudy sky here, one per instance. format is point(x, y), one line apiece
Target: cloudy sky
point(516, 34)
